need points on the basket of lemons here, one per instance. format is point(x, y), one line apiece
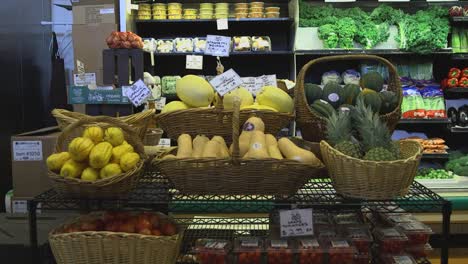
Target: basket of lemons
point(102, 161)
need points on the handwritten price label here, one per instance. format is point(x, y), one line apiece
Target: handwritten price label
point(296, 222)
point(217, 45)
point(138, 93)
point(226, 82)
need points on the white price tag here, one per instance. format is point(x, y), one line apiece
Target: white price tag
point(138, 93)
point(84, 79)
point(165, 142)
point(296, 222)
point(249, 83)
point(269, 80)
point(339, 243)
point(134, 7)
point(194, 62)
point(402, 260)
point(226, 82)
point(222, 24)
point(106, 11)
point(217, 45)
point(160, 103)
point(27, 150)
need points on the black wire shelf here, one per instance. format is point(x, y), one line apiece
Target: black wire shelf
point(155, 192)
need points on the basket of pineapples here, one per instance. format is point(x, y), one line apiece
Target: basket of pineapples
point(100, 161)
point(362, 160)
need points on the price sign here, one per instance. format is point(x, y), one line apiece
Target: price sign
point(27, 150)
point(254, 84)
point(217, 45)
point(296, 222)
point(84, 79)
point(194, 62)
point(165, 142)
point(138, 93)
point(222, 24)
point(249, 83)
point(226, 82)
point(160, 103)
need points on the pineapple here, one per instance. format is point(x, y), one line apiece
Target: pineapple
point(339, 134)
point(376, 139)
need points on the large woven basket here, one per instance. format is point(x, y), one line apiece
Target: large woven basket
point(235, 176)
point(112, 187)
point(373, 180)
point(216, 121)
point(138, 121)
point(104, 247)
point(313, 126)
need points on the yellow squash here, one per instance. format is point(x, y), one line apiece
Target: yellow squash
point(129, 161)
point(114, 135)
point(95, 133)
point(184, 146)
point(79, 148)
point(90, 174)
point(100, 155)
point(55, 161)
point(72, 169)
point(293, 152)
point(223, 150)
point(118, 151)
point(110, 170)
point(211, 149)
point(198, 145)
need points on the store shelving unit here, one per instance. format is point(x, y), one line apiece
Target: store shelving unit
point(155, 192)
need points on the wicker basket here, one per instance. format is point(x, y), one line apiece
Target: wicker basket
point(139, 121)
point(235, 175)
point(104, 247)
point(313, 126)
point(362, 179)
point(113, 187)
point(216, 121)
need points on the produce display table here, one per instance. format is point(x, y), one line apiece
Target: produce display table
point(157, 194)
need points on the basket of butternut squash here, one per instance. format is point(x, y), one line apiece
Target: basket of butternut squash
point(255, 163)
point(97, 157)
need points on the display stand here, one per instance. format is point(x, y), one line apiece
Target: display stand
point(157, 194)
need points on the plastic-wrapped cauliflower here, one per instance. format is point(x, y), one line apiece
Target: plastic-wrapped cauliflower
point(351, 77)
point(148, 79)
point(331, 76)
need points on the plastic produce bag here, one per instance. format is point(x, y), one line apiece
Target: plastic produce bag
point(412, 105)
point(434, 103)
point(331, 76)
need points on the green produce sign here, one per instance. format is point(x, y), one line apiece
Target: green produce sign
point(83, 95)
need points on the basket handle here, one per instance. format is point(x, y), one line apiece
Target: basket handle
point(235, 132)
point(393, 80)
point(96, 119)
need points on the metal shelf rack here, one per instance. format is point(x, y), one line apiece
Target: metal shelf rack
point(155, 192)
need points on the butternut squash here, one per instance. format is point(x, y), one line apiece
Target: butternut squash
point(254, 124)
point(274, 152)
point(223, 150)
point(293, 152)
point(169, 156)
point(198, 145)
point(244, 143)
point(271, 140)
point(258, 148)
point(184, 143)
point(211, 149)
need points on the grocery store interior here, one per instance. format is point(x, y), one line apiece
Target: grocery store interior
point(234, 131)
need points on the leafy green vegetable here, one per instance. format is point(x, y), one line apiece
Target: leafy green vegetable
point(386, 14)
point(329, 36)
point(430, 173)
point(458, 165)
point(346, 31)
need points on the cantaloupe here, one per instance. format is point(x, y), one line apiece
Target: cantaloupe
point(173, 106)
point(276, 98)
point(246, 98)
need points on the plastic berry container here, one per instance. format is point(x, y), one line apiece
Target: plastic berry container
point(362, 259)
point(394, 219)
point(360, 238)
point(340, 251)
point(419, 251)
point(397, 259)
point(310, 251)
point(242, 43)
point(279, 252)
point(390, 240)
point(321, 221)
point(417, 232)
point(347, 219)
point(261, 43)
point(212, 251)
point(327, 233)
point(248, 251)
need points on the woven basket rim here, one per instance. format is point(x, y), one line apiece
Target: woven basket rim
point(109, 233)
point(219, 111)
point(325, 144)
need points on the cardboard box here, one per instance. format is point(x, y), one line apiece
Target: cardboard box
point(88, 43)
point(94, 12)
point(29, 152)
point(83, 95)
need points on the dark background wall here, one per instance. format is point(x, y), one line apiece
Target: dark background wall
point(24, 75)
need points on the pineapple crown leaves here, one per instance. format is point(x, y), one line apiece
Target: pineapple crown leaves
point(339, 128)
point(373, 132)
